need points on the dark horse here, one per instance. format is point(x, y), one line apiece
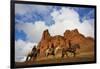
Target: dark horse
point(71, 49)
point(32, 56)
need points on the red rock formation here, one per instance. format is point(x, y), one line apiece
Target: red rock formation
point(45, 41)
point(86, 43)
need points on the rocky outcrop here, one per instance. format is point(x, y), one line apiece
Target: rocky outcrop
point(45, 41)
point(86, 43)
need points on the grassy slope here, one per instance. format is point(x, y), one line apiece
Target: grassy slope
point(83, 57)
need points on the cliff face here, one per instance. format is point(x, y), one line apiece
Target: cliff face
point(45, 41)
point(86, 43)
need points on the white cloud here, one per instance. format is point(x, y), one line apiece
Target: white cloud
point(66, 18)
point(87, 27)
point(33, 31)
point(65, 14)
point(22, 48)
point(24, 9)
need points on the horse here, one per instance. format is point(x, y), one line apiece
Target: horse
point(72, 49)
point(56, 49)
point(49, 51)
point(33, 55)
point(52, 51)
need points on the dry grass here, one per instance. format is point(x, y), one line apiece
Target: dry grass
point(80, 57)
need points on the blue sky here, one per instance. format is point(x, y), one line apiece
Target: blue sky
point(32, 20)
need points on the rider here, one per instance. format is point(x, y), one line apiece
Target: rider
point(70, 44)
point(52, 48)
point(34, 49)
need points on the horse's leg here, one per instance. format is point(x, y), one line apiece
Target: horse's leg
point(67, 54)
point(74, 54)
point(27, 59)
point(47, 54)
point(63, 54)
point(30, 58)
point(33, 58)
point(53, 53)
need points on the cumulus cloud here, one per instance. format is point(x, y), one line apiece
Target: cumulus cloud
point(22, 48)
point(32, 13)
point(23, 9)
point(66, 18)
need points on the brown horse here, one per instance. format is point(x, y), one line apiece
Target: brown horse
point(72, 49)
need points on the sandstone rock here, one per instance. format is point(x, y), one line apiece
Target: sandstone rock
point(86, 43)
